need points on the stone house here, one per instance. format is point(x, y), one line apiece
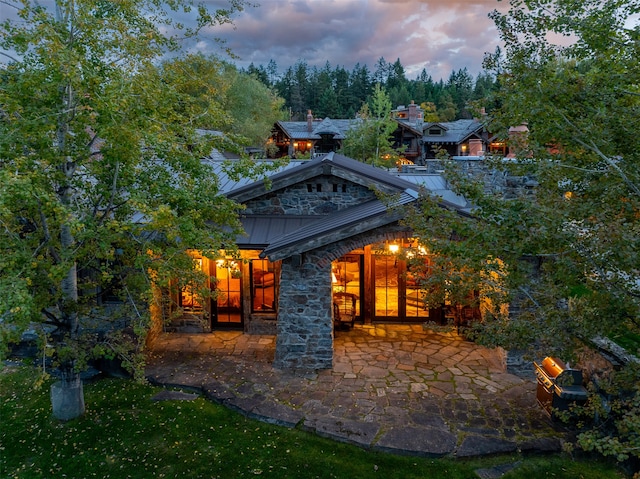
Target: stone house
point(320, 246)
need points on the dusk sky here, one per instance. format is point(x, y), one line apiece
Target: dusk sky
point(439, 35)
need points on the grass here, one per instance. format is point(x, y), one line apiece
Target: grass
point(629, 341)
point(125, 434)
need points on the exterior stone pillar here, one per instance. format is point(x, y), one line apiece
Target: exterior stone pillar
point(305, 327)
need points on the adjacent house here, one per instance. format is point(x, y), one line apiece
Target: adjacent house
point(321, 252)
point(293, 138)
point(456, 138)
point(416, 140)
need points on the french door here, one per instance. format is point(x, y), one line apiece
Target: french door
point(227, 308)
point(396, 296)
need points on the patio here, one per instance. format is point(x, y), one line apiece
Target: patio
point(397, 388)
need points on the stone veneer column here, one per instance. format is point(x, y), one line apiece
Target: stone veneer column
point(305, 329)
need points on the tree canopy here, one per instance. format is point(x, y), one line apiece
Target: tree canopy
point(369, 139)
point(103, 188)
point(338, 93)
point(564, 252)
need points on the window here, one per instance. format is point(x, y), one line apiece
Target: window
point(264, 278)
point(346, 277)
point(435, 132)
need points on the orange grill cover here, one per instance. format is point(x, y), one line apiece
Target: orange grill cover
point(553, 366)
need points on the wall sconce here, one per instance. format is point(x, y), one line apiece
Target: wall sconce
point(394, 248)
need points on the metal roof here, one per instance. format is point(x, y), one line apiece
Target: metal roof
point(299, 130)
point(453, 131)
point(282, 235)
point(340, 225)
point(261, 230)
point(331, 163)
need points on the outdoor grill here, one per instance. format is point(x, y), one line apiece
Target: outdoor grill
point(558, 386)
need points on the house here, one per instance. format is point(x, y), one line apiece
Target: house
point(408, 137)
point(320, 246)
point(456, 138)
point(319, 136)
point(416, 140)
point(293, 138)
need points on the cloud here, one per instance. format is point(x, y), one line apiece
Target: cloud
point(441, 35)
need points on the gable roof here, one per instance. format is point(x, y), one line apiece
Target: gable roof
point(330, 164)
point(280, 236)
point(416, 128)
point(299, 130)
point(453, 131)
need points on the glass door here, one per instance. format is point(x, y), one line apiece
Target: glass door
point(397, 294)
point(228, 305)
point(386, 274)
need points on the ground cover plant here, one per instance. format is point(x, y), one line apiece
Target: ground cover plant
point(126, 434)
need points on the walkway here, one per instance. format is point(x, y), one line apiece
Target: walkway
point(394, 388)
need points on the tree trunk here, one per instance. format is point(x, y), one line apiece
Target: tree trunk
point(67, 396)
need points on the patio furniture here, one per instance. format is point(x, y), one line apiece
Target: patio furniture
point(344, 309)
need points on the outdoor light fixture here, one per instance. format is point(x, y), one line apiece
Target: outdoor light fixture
point(394, 248)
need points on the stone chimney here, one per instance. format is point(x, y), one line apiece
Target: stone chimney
point(415, 115)
point(413, 111)
point(309, 121)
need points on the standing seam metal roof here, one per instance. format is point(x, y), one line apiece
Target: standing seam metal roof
point(276, 233)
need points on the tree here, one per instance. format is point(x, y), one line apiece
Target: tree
point(103, 187)
point(460, 87)
point(566, 253)
point(252, 106)
point(369, 140)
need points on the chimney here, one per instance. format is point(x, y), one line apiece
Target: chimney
point(309, 121)
point(413, 111)
point(415, 115)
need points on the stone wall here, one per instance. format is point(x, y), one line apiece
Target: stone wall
point(317, 196)
point(305, 326)
point(494, 180)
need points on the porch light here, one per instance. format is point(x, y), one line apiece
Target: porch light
point(394, 248)
point(308, 145)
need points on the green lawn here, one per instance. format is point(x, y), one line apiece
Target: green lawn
point(124, 434)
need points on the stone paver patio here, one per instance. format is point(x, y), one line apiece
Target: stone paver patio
point(396, 388)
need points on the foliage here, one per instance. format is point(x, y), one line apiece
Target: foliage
point(370, 139)
point(233, 103)
point(125, 433)
point(568, 247)
point(338, 93)
point(103, 187)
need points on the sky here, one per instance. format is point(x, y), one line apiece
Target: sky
point(438, 35)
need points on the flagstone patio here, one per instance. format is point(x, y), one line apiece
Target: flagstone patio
point(397, 388)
